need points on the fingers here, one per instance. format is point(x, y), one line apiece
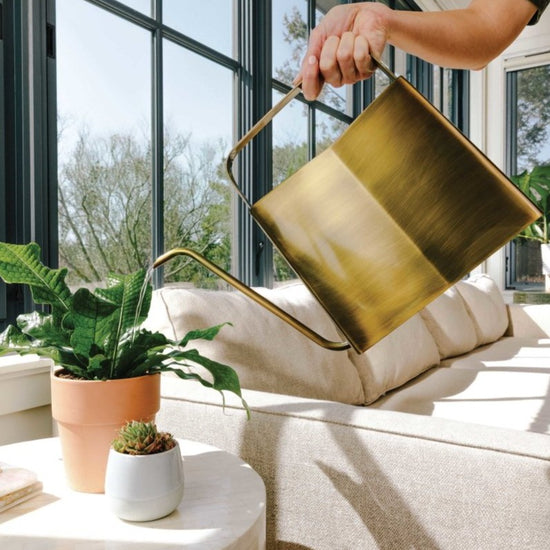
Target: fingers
point(345, 60)
point(364, 66)
point(328, 62)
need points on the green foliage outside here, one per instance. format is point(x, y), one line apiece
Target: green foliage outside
point(105, 203)
point(533, 116)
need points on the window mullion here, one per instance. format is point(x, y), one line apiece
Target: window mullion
point(157, 143)
point(252, 254)
point(29, 122)
point(3, 310)
point(511, 161)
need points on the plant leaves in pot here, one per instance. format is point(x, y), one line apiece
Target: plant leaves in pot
point(536, 185)
point(107, 367)
point(144, 478)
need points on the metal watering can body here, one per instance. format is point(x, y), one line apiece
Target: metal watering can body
point(378, 225)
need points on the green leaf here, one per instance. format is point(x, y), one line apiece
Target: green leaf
point(133, 298)
point(139, 352)
point(536, 186)
point(13, 338)
point(21, 264)
point(42, 327)
point(94, 321)
point(202, 334)
point(98, 367)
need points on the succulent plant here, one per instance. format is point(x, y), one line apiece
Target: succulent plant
point(142, 438)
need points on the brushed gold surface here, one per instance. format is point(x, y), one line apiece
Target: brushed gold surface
point(400, 208)
point(396, 211)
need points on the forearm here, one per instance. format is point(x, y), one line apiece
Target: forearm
point(467, 38)
point(341, 47)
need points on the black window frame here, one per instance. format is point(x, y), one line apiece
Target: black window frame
point(28, 144)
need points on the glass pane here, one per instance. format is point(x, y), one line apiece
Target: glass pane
point(289, 38)
point(211, 23)
point(104, 126)
point(533, 117)
point(399, 62)
point(289, 139)
point(144, 6)
point(328, 130)
point(289, 154)
point(381, 80)
point(443, 90)
point(198, 131)
point(532, 145)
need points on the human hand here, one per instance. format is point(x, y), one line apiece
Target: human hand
point(340, 47)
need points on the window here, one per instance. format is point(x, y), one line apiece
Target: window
point(145, 117)
point(528, 119)
point(135, 111)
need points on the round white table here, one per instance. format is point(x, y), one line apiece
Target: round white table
point(223, 506)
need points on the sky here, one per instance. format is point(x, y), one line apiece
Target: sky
point(105, 84)
point(104, 80)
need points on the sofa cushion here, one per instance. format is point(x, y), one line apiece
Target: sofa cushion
point(396, 359)
point(267, 353)
point(502, 384)
point(486, 307)
point(450, 325)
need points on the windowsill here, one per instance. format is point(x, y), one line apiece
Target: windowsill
point(18, 364)
point(24, 383)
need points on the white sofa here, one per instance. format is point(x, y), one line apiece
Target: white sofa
point(435, 438)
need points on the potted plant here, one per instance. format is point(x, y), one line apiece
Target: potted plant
point(536, 185)
point(107, 368)
point(144, 477)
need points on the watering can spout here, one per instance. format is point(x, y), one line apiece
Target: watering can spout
point(252, 294)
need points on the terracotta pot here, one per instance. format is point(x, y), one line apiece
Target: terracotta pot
point(89, 414)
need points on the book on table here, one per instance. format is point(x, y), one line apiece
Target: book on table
point(17, 485)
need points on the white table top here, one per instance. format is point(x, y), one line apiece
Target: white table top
point(223, 506)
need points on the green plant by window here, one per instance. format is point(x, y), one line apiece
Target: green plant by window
point(535, 184)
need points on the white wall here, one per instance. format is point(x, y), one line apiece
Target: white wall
point(487, 106)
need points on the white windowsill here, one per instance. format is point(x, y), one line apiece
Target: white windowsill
point(24, 383)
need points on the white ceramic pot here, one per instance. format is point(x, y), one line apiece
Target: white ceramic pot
point(144, 487)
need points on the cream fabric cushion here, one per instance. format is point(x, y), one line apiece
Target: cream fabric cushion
point(503, 384)
point(486, 307)
point(529, 320)
point(267, 353)
point(396, 359)
point(450, 325)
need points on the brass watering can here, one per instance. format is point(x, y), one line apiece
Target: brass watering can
point(397, 210)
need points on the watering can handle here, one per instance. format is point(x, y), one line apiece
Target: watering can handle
point(258, 298)
point(267, 118)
